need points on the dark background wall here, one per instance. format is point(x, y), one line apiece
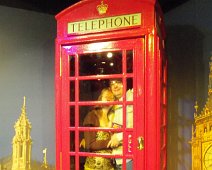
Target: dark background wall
point(27, 69)
point(189, 35)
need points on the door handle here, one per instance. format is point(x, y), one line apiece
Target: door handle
point(140, 143)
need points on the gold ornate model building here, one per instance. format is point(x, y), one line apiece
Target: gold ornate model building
point(21, 147)
point(22, 142)
point(202, 133)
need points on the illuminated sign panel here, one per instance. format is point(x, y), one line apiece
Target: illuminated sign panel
point(104, 24)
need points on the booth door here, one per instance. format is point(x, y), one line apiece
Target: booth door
point(86, 69)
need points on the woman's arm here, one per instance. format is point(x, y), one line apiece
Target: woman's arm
point(91, 120)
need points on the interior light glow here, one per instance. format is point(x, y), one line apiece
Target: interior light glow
point(111, 64)
point(109, 55)
point(97, 47)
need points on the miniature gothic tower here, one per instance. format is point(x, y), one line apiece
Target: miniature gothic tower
point(45, 163)
point(202, 133)
point(22, 142)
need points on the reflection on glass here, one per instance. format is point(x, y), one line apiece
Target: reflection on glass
point(129, 164)
point(72, 141)
point(90, 89)
point(72, 116)
point(129, 61)
point(72, 163)
point(72, 91)
point(72, 65)
point(100, 63)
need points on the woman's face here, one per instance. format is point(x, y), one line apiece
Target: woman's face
point(108, 96)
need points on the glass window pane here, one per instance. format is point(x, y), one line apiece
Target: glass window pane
point(72, 141)
point(116, 86)
point(95, 141)
point(91, 116)
point(99, 163)
point(129, 164)
point(83, 111)
point(129, 108)
point(129, 61)
point(119, 163)
point(129, 83)
point(90, 89)
point(72, 65)
point(72, 116)
point(72, 91)
point(129, 116)
point(82, 147)
point(100, 63)
point(72, 163)
point(82, 163)
point(117, 121)
point(119, 149)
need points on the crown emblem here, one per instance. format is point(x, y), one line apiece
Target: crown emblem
point(102, 9)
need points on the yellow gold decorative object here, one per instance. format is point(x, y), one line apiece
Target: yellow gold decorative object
point(22, 142)
point(140, 143)
point(45, 164)
point(210, 79)
point(20, 159)
point(202, 133)
point(102, 9)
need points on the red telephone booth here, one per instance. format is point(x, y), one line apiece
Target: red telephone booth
point(101, 42)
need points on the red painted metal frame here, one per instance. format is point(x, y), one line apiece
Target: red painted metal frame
point(151, 79)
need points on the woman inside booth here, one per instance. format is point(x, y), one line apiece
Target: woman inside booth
point(97, 141)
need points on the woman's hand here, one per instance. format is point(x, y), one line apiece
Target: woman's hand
point(114, 142)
